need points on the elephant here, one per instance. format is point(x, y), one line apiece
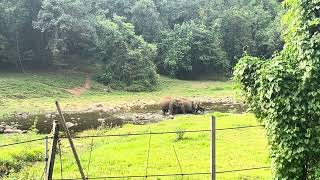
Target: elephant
point(171, 105)
point(188, 106)
point(175, 106)
point(164, 104)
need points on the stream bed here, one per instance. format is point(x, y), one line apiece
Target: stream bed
point(80, 121)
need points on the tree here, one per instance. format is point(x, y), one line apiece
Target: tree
point(69, 24)
point(47, 33)
point(174, 12)
point(252, 29)
point(236, 33)
point(127, 58)
point(145, 18)
point(23, 44)
point(284, 93)
point(246, 25)
point(190, 49)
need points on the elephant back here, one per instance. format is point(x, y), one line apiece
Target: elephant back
point(165, 101)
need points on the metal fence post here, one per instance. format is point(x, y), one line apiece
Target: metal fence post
point(213, 148)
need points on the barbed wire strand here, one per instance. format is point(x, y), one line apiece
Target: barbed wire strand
point(23, 142)
point(239, 170)
point(175, 152)
point(239, 127)
point(132, 134)
point(140, 176)
point(136, 134)
point(163, 175)
point(159, 133)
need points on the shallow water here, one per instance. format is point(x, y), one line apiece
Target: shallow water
point(92, 120)
point(80, 121)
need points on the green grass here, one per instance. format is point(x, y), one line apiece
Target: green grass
point(14, 158)
point(26, 86)
point(36, 92)
point(114, 156)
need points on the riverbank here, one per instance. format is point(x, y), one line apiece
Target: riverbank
point(36, 93)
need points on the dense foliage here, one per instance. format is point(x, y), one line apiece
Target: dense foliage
point(69, 26)
point(127, 57)
point(193, 38)
point(284, 93)
point(191, 47)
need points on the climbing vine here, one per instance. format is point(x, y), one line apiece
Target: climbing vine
point(284, 93)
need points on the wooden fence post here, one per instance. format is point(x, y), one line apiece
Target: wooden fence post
point(213, 148)
point(67, 133)
point(50, 163)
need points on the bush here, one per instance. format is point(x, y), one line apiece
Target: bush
point(18, 159)
point(32, 155)
point(7, 166)
point(284, 94)
point(180, 133)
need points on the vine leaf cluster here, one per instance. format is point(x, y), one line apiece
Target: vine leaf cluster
point(284, 93)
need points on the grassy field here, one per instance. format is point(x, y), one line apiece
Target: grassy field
point(118, 156)
point(114, 156)
point(37, 92)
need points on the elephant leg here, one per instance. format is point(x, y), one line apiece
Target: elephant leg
point(184, 109)
point(171, 109)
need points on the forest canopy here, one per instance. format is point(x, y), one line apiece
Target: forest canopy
point(181, 38)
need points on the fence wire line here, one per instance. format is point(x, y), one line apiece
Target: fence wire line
point(175, 152)
point(159, 175)
point(159, 133)
point(136, 134)
point(132, 134)
point(24, 142)
point(240, 127)
point(239, 170)
point(162, 175)
point(140, 176)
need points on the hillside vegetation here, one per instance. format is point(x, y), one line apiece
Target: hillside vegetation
point(135, 39)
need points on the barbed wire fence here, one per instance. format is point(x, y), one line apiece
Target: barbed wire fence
point(56, 148)
point(139, 134)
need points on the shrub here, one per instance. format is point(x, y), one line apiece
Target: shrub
point(284, 94)
point(180, 133)
point(7, 166)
